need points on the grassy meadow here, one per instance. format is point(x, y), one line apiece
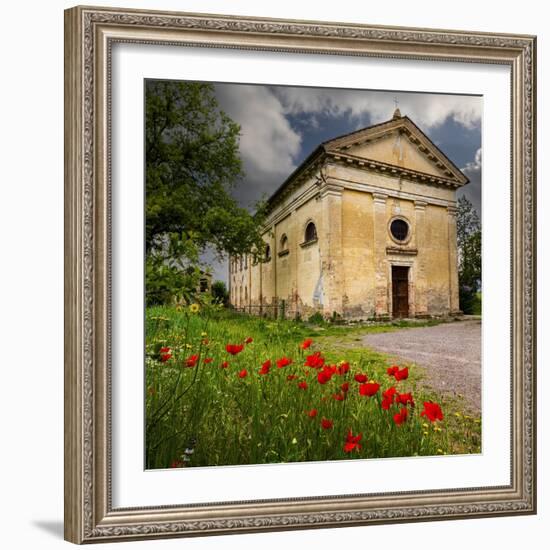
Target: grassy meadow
point(227, 389)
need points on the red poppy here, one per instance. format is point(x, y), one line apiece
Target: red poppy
point(283, 362)
point(343, 369)
point(291, 377)
point(361, 378)
point(265, 367)
point(339, 396)
point(392, 370)
point(248, 340)
point(176, 464)
point(388, 397)
point(316, 360)
point(312, 413)
point(302, 385)
point(165, 357)
point(234, 349)
point(432, 411)
point(404, 398)
point(369, 389)
point(326, 424)
point(208, 360)
point(306, 343)
point(205, 341)
point(401, 416)
point(402, 374)
point(345, 387)
point(191, 361)
point(224, 365)
point(352, 442)
point(243, 373)
point(165, 350)
point(324, 376)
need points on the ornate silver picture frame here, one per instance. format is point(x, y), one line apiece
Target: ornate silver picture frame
point(90, 34)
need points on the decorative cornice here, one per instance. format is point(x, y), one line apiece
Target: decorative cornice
point(393, 170)
point(452, 211)
point(379, 198)
point(331, 188)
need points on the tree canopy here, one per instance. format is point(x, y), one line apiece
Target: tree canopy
point(192, 163)
point(468, 229)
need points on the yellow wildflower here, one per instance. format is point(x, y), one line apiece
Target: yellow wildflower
point(194, 308)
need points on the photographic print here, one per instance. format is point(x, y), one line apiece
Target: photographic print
point(313, 274)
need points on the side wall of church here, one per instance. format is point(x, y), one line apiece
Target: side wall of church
point(293, 272)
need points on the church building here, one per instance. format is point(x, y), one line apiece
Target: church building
point(364, 228)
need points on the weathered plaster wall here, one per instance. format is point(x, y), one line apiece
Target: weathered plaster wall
point(358, 252)
point(436, 260)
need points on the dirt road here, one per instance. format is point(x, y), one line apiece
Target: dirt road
point(450, 353)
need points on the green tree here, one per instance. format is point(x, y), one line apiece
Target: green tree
point(191, 164)
point(220, 293)
point(469, 253)
point(172, 270)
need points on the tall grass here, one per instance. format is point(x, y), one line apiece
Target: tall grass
point(206, 407)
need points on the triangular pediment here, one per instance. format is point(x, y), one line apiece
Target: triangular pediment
point(400, 143)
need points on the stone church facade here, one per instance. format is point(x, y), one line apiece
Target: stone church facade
point(364, 228)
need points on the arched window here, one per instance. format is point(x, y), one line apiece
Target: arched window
point(284, 243)
point(245, 295)
point(311, 232)
point(267, 253)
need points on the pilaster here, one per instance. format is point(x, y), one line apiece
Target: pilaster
point(380, 263)
point(331, 246)
point(421, 289)
point(454, 306)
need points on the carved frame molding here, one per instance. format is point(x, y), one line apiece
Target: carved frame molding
point(89, 35)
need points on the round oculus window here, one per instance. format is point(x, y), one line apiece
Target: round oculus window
point(399, 229)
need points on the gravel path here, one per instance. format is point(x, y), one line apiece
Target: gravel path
point(450, 353)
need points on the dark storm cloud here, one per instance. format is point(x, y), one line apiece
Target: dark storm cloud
point(268, 145)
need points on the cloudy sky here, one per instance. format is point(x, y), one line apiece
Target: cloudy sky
point(281, 125)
